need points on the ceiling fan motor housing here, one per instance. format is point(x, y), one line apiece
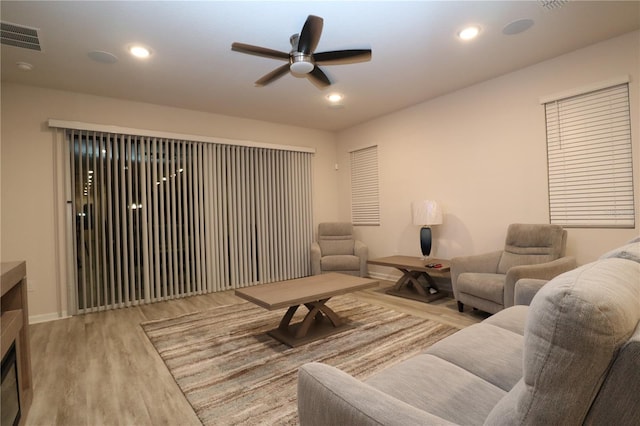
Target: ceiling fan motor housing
point(301, 63)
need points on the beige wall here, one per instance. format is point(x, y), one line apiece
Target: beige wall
point(481, 153)
point(27, 161)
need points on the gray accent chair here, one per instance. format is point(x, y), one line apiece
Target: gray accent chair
point(336, 250)
point(570, 358)
point(487, 281)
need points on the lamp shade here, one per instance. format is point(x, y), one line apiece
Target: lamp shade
point(426, 212)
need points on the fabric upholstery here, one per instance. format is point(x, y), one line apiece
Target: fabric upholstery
point(530, 244)
point(483, 285)
point(466, 399)
point(570, 358)
point(629, 251)
point(487, 281)
point(328, 396)
point(510, 319)
point(526, 289)
point(576, 325)
point(336, 250)
point(621, 388)
point(501, 366)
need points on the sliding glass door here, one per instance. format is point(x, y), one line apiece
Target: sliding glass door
point(161, 218)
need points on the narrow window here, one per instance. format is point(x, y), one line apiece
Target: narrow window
point(365, 204)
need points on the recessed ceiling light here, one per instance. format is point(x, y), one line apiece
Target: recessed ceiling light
point(139, 51)
point(469, 33)
point(335, 97)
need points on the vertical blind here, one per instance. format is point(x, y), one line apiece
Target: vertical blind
point(365, 203)
point(160, 218)
point(590, 164)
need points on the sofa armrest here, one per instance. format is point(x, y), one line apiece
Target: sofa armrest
point(362, 251)
point(316, 254)
point(540, 271)
point(487, 262)
point(526, 289)
point(328, 396)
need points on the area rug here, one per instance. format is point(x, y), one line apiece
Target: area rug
point(231, 372)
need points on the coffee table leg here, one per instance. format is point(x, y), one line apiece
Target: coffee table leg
point(316, 309)
point(286, 319)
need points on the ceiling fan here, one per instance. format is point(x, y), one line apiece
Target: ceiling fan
point(302, 58)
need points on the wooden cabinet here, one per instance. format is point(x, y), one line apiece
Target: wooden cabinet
point(14, 324)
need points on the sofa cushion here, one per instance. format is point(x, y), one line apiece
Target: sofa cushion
point(337, 246)
point(621, 389)
point(328, 396)
point(485, 350)
point(529, 244)
point(439, 387)
point(340, 263)
point(526, 289)
point(576, 325)
point(483, 285)
point(512, 319)
point(629, 251)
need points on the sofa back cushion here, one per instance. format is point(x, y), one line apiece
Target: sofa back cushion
point(336, 238)
point(528, 244)
point(575, 328)
point(621, 389)
point(630, 251)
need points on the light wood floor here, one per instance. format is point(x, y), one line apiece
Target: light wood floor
point(100, 369)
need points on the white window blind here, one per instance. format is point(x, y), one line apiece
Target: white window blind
point(590, 162)
point(365, 205)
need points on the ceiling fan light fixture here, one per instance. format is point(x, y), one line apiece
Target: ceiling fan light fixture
point(301, 67)
point(301, 63)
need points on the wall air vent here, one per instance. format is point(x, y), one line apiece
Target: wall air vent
point(20, 36)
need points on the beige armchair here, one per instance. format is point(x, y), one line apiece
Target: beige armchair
point(337, 251)
point(487, 281)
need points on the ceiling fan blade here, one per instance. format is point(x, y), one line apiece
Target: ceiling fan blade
point(273, 75)
point(259, 51)
point(341, 56)
point(310, 34)
point(319, 77)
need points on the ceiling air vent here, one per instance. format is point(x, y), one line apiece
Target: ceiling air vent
point(552, 4)
point(20, 36)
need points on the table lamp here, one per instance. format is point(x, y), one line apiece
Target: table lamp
point(425, 214)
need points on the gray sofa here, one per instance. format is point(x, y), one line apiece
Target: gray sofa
point(571, 357)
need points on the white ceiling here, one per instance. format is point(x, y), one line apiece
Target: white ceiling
point(416, 54)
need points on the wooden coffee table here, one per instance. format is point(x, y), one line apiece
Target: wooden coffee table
point(413, 268)
point(312, 292)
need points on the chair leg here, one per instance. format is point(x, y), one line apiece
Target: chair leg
point(460, 306)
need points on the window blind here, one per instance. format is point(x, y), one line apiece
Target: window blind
point(159, 218)
point(365, 204)
point(590, 163)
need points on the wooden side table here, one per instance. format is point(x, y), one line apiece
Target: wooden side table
point(412, 269)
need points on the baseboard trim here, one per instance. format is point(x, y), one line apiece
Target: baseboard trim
point(53, 316)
